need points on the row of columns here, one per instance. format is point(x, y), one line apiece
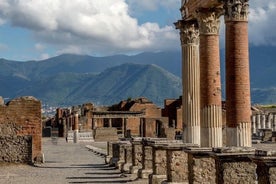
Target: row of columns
point(202, 109)
point(263, 121)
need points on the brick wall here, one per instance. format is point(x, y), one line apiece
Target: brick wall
point(21, 117)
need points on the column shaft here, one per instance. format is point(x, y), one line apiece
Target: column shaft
point(237, 74)
point(190, 81)
point(210, 88)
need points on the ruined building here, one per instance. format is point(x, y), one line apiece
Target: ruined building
point(20, 130)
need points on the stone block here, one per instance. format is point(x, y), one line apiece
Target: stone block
point(233, 165)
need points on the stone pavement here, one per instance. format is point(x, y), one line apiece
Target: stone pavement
point(65, 163)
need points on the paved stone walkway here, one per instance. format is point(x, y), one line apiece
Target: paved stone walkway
point(64, 163)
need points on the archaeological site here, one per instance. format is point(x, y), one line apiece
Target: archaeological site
point(197, 138)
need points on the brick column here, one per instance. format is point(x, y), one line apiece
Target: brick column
point(189, 35)
point(210, 83)
point(237, 74)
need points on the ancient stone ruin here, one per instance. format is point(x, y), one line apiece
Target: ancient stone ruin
point(202, 109)
point(20, 130)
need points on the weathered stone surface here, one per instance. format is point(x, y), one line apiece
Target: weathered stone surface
point(203, 170)
point(16, 149)
point(237, 172)
point(105, 134)
point(177, 164)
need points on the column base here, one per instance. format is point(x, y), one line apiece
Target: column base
point(212, 137)
point(107, 159)
point(144, 173)
point(239, 136)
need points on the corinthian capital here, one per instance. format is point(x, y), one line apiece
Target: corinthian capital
point(236, 10)
point(189, 32)
point(209, 22)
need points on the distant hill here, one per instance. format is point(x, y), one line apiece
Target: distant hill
point(73, 79)
point(108, 87)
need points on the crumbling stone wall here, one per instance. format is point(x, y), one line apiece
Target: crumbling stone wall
point(22, 117)
point(16, 149)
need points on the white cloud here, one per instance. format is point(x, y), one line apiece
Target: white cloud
point(85, 26)
point(262, 22)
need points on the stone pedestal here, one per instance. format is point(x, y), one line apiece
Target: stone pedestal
point(177, 164)
point(266, 166)
point(159, 172)
point(109, 152)
point(233, 165)
point(122, 154)
point(146, 161)
point(201, 165)
point(137, 152)
point(128, 158)
point(147, 156)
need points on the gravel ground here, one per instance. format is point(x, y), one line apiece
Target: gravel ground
point(65, 163)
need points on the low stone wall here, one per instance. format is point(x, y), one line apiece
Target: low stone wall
point(16, 149)
point(105, 134)
point(165, 161)
point(82, 136)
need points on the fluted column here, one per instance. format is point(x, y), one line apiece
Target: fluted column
point(189, 34)
point(237, 73)
point(254, 124)
point(210, 82)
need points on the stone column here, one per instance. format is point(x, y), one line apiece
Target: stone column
point(274, 123)
point(253, 121)
point(263, 120)
point(210, 83)
point(258, 121)
point(237, 74)
point(109, 122)
point(189, 35)
point(76, 129)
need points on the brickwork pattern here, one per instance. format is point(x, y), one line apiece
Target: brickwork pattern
point(237, 74)
point(25, 113)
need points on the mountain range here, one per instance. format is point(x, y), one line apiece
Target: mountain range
point(74, 79)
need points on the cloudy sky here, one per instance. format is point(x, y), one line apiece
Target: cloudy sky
point(38, 29)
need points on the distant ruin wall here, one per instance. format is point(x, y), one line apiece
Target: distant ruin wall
point(16, 149)
point(22, 117)
point(105, 134)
